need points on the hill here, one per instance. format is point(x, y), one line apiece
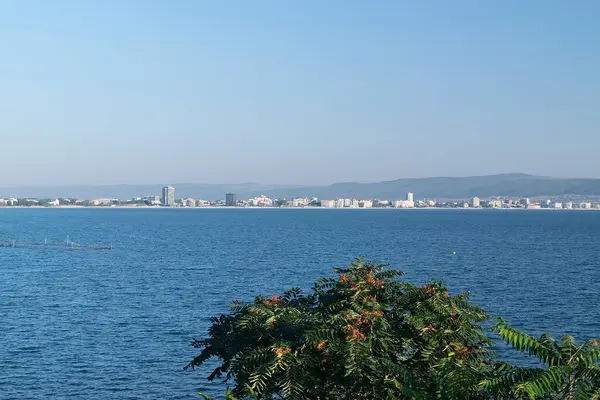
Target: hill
point(513, 185)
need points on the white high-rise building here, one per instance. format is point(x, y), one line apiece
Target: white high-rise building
point(476, 202)
point(168, 196)
point(410, 197)
point(339, 203)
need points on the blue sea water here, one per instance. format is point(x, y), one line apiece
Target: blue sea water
point(117, 324)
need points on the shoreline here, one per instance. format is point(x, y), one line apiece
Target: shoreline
point(126, 207)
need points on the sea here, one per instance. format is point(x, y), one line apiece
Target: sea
point(80, 323)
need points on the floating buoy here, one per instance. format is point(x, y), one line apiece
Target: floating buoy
point(453, 252)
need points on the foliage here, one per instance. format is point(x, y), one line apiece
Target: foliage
point(571, 371)
point(366, 334)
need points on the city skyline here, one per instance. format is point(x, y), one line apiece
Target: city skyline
point(507, 185)
point(167, 200)
point(257, 90)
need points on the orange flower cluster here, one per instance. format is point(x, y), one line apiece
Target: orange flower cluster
point(321, 345)
point(429, 328)
point(430, 290)
point(274, 301)
point(377, 313)
point(373, 282)
point(461, 352)
point(343, 278)
point(369, 298)
point(363, 320)
point(280, 351)
point(355, 334)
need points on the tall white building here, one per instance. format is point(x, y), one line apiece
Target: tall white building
point(168, 196)
point(339, 203)
point(410, 197)
point(355, 203)
point(476, 202)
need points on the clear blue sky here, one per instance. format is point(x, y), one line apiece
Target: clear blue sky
point(304, 92)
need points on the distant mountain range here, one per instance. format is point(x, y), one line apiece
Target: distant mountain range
point(513, 185)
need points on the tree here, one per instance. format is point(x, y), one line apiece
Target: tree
point(366, 334)
point(571, 372)
point(362, 335)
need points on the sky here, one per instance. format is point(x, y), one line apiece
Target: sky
point(296, 92)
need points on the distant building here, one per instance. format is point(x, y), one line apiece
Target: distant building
point(367, 203)
point(410, 197)
point(168, 196)
point(347, 202)
point(300, 202)
point(230, 199)
point(569, 205)
point(531, 206)
point(153, 200)
point(476, 202)
point(586, 206)
point(495, 203)
point(261, 201)
point(355, 203)
point(558, 205)
point(328, 203)
point(189, 203)
point(524, 202)
point(403, 203)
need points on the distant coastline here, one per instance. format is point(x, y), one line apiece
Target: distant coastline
point(130, 207)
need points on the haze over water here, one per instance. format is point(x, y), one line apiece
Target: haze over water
point(117, 324)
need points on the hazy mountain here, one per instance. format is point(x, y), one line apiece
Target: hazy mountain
point(514, 185)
